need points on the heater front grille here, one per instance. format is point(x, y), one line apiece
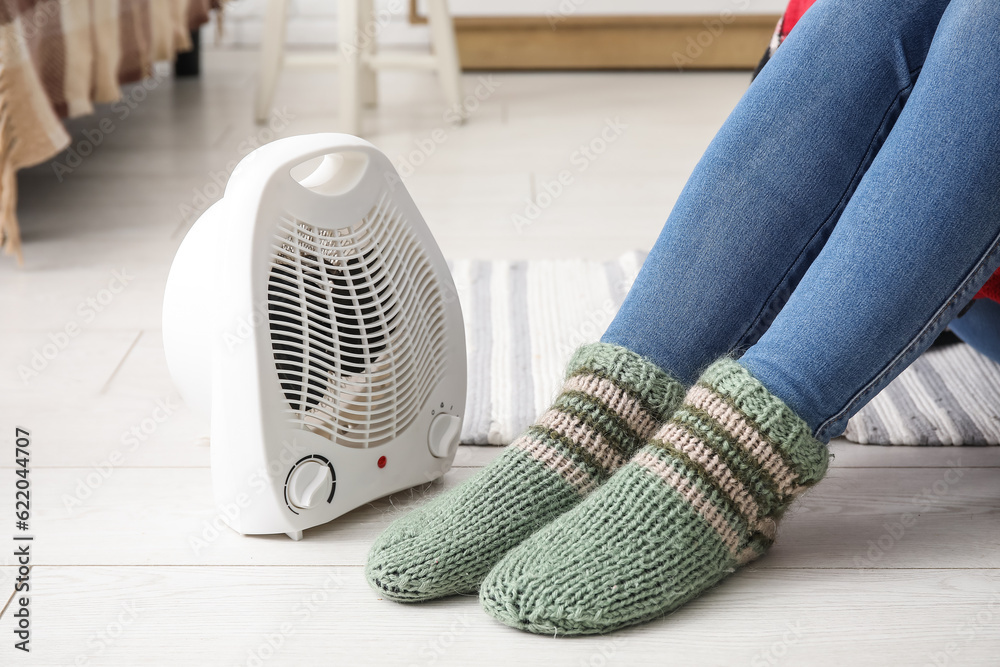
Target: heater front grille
point(357, 324)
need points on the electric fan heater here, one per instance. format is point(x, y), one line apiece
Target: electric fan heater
point(315, 321)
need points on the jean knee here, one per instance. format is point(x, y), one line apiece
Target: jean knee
point(893, 33)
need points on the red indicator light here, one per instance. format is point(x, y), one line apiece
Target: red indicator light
point(381, 462)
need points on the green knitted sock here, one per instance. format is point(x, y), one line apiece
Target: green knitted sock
point(700, 500)
point(612, 402)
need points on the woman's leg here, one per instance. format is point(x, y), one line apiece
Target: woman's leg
point(914, 244)
point(773, 183)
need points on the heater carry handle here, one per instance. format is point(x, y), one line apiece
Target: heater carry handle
point(350, 175)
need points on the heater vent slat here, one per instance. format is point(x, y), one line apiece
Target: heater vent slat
point(357, 326)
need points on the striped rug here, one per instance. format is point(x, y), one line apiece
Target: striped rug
point(523, 320)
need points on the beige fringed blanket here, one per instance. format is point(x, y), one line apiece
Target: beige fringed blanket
point(60, 57)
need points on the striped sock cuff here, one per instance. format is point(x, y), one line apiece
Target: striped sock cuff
point(658, 392)
point(612, 402)
point(763, 417)
point(738, 455)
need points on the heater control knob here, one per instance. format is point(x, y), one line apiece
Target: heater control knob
point(442, 437)
point(309, 484)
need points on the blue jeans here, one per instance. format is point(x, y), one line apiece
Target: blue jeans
point(846, 212)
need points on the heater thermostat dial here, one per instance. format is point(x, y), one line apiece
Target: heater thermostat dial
point(309, 484)
point(442, 436)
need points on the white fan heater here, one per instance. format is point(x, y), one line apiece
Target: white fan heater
point(316, 322)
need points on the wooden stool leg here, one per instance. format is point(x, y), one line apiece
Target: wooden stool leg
point(348, 20)
point(443, 39)
point(272, 53)
point(369, 31)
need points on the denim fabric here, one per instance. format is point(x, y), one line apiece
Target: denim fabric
point(847, 210)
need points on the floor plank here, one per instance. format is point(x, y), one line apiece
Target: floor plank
point(295, 615)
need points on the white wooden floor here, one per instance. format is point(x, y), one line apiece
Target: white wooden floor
point(118, 577)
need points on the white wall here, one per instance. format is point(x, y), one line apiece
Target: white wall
point(314, 22)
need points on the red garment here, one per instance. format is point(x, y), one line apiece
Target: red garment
point(991, 290)
point(794, 11)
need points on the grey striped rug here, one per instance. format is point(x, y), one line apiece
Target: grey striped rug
point(523, 320)
point(949, 396)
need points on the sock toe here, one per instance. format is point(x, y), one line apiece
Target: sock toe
point(399, 560)
point(447, 546)
point(603, 565)
point(517, 596)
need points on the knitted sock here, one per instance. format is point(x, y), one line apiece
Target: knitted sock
point(612, 402)
point(700, 500)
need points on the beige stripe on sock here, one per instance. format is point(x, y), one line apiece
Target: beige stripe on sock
point(749, 439)
point(584, 436)
point(676, 436)
point(617, 399)
point(693, 496)
point(555, 460)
